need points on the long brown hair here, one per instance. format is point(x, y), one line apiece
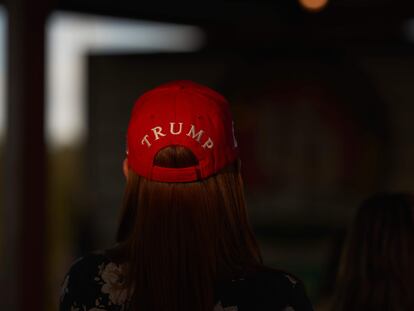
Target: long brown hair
point(179, 239)
point(377, 267)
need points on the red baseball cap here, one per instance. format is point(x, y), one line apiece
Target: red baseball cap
point(181, 113)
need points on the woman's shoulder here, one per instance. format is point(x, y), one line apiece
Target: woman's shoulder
point(93, 281)
point(277, 277)
point(90, 260)
point(285, 285)
point(266, 288)
point(86, 269)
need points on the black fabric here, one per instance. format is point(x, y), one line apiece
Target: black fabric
point(94, 283)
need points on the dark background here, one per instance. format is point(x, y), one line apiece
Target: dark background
point(322, 102)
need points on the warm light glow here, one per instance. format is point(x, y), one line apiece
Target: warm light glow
point(313, 5)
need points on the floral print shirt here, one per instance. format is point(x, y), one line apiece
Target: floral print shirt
point(94, 283)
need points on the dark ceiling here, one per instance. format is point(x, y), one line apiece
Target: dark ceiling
point(341, 20)
point(261, 22)
point(288, 11)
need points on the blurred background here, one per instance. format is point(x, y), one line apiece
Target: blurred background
point(322, 94)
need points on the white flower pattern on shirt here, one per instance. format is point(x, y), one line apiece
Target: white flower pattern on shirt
point(113, 278)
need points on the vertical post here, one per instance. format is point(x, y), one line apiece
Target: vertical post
point(25, 175)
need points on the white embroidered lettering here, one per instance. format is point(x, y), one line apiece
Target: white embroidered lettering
point(177, 130)
point(145, 139)
point(196, 136)
point(234, 137)
point(208, 144)
point(172, 128)
point(157, 132)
